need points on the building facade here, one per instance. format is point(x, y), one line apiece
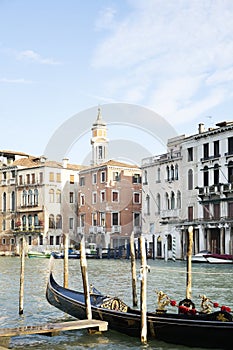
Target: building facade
point(190, 186)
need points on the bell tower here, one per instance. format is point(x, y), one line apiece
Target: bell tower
point(99, 140)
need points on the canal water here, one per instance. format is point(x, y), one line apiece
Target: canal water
point(112, 277)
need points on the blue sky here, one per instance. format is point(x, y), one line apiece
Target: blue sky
point(61, 57)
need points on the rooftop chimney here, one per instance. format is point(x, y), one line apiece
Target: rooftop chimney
point(201, 128)
point(65, 162)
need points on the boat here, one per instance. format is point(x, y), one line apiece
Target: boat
point(35, 254)
point(201, 257)
point(219, 258)
point(186, 326)
point(72, 254)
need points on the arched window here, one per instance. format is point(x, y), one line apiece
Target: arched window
point(167, 201)
point(172, 200)
point(176, 172)
point(206, 176)
point(12, 224)
point(158, 175)
point(29, 222)
point(30, 197)
point(36, 197)
point(51, 196)
point(24, 198)
point(216, 174)
point(13, 201)
point(3, 224)
point(58, 196)
point(178, 200)
point(158, 202)
point(145, 176)
point(4, 201)
point(24, 221)
point(59, 221)
point(51, 221)
point(168, 173)
point(36, 220)
point(190, 179)
point(172, 173)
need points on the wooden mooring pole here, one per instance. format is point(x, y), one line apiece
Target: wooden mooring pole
point(22, 268)
point(133, 270)
point(83, 265)
point(189, 263)
point(66, 261)
point(143, 291)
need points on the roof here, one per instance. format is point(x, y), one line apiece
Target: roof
point(112, 163)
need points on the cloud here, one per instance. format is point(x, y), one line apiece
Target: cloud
point(15, 81)
point(172, 55)
point(32, 56)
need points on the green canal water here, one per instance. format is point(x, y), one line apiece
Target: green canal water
point(112, 277)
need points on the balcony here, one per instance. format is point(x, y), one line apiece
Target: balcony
point(171, 213)
point(116, 229)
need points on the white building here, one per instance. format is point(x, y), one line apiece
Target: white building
point(191, 185)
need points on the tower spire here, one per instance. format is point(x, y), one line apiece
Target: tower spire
point(99, 140)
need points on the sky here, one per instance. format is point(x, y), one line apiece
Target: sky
point(59, 58)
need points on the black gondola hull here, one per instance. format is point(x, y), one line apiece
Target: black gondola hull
point(191, 330)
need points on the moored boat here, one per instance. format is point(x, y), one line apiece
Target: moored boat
point(35, 254)
point(201, 257)
point(186, 327)
point(219, 258)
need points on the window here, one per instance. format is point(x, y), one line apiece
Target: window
point(58, 196)
point(115, 219)
point(190, 179)
point(82, 199)
point(57, 240)
point(169, 242)
point(167, 203)
point(41, 178)
point(145, 177)
point(30, 222)
point(94, 178)
point(13, 201)
point(51, 196)
point(136, 197)
point(28, 178)
point(230, 171)
point(206, 150)
point(41, 240)
point(206, 176)
point(158, 203)
point(20, 179)
point(51, 240)
point(71, 223)
point(24, 197)
point(178, 200)
point(100, 152)
point(94, 219)
point(158, 175)
point(82, 181)
point(176, 172)
point(82, 220)
point(216, 211)
point(59, 221)
point(3, 224)
point(71, 197)
point(51, 177)
point(168, 173)
point(94, 197)
point(4, 201)
point(71, 179)
point(216, 149)
point(102, 219)
point(137, 179)
point(206, 211)
point(51, 221)
point(36, 220)
point(190, 154)
point(230, 145)
point(116, 176)
point(29, 240)
point(30, 198)
point(216, 174)
point(190, 213)
point(136, 219)
point(115, 196)
point(103, 176)
point(33, 178)
point(147, 205)
point(36, 196)
point(172, 200)
point(102, 196)
point(58, 175)
point(230, 209)
point(172, 173)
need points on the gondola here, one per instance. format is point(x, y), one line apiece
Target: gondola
point(211, 330)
